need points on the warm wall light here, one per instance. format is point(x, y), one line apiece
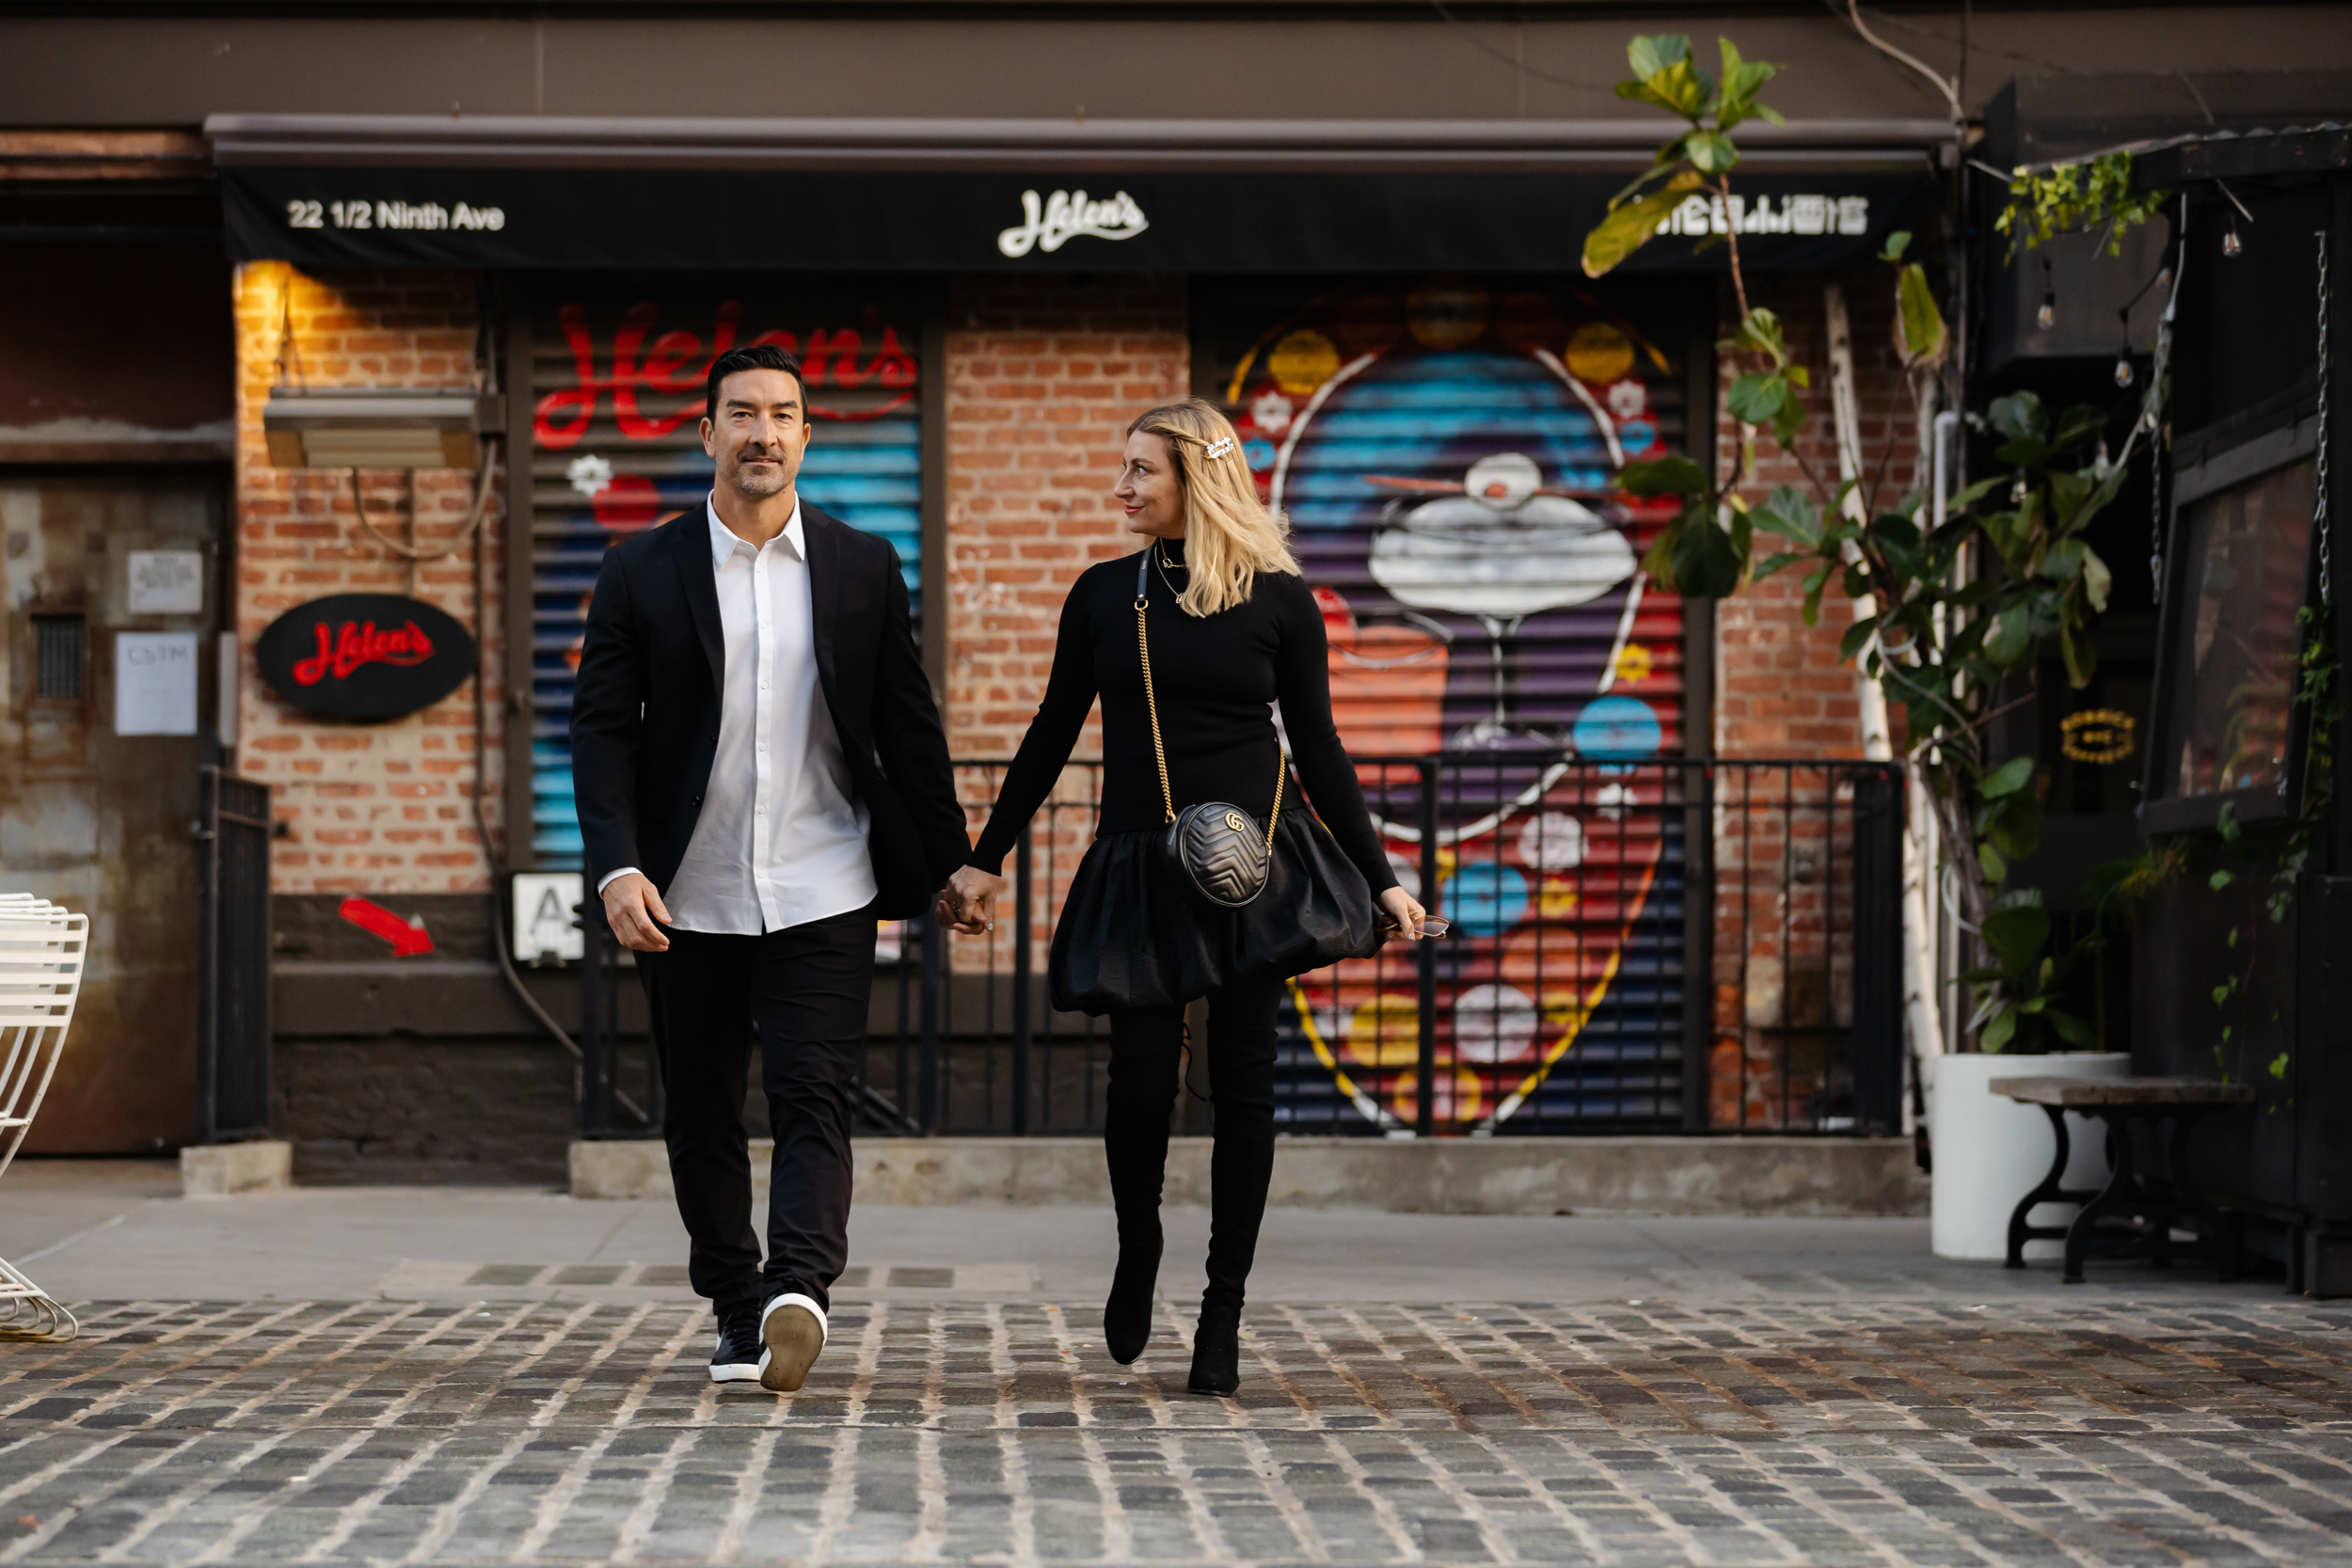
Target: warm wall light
point(376, 427)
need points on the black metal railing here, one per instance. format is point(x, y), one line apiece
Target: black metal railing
point(1652, 945)
point(232, 1056)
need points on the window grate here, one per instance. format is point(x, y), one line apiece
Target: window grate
point(58, 656)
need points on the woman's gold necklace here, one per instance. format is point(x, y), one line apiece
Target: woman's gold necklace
point(1159, 559)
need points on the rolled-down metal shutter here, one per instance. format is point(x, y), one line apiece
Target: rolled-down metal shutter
point(617, 377)
point(1446, 450)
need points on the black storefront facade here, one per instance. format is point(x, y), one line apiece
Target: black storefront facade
point(617, 256)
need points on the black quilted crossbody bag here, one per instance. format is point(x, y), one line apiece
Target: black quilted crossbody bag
point(1214, 852)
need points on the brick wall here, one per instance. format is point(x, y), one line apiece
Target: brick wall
point(1044, 375)
point(377, 808)
point(1783, 692)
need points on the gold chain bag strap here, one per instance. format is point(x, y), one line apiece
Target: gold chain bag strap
point(1212, 852)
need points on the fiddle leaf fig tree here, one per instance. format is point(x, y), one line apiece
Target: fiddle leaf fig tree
point(1950, 617)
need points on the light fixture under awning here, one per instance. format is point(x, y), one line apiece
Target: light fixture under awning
point(376, 427)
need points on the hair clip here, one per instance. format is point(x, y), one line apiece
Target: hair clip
point(1220, 446)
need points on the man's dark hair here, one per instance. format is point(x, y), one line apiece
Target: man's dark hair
point(760, 356)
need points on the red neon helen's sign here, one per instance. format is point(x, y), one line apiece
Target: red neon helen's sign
point(359, 644)
point(676, 363)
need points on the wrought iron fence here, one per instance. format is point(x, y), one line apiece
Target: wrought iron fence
point(1653, 946)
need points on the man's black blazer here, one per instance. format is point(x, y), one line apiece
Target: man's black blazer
point(645, 708)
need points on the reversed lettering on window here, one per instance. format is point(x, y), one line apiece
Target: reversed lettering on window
point(1764, 214)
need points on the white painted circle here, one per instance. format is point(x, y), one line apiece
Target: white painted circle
point(1494, 1023)
point(1553, 842)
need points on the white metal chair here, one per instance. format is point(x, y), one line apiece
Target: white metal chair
point(42, 948)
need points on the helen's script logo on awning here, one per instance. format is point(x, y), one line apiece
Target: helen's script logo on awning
point(1066, 215)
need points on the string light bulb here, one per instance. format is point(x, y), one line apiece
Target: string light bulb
point(2018, 489)
point(2123, 369)
point(2231, 244)
point(2046, 317)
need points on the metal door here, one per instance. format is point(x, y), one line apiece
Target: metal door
point(617, 377)
point(114, 588)
point(1447, 450)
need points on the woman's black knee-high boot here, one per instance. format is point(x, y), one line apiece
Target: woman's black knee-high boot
point(1241, 1165)
point(1142, 1095)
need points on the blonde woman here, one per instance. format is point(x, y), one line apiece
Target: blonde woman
point(1217, 602)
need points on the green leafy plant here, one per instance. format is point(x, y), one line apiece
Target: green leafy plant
point(2072, 197)
point(1949, 615)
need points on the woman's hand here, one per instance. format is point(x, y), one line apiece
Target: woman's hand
point(1405, 913)
point(965, 903)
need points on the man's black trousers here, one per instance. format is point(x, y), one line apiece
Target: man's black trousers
point(803, 992)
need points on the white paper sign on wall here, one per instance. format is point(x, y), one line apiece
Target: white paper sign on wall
point(543, 916)
point(156, 682)
point(166, 582)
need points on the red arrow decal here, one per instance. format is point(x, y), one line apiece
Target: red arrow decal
point(408, 941)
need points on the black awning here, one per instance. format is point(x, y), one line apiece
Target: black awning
point(1131, 220)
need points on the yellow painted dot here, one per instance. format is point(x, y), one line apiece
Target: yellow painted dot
point(1599, 354)
point(1446, 313)
point(1302, 361)
point(1385, 1030)
point(1557, 898)
point(1633, 662)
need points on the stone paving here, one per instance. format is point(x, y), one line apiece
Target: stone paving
point(1891, 1432)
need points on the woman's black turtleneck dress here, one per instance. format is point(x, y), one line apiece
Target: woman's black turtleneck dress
point(1216, 678)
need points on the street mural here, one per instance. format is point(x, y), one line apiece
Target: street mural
point(1447, 450)
point(616, 449)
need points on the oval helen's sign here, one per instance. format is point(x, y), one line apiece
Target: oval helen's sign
point(365, 656)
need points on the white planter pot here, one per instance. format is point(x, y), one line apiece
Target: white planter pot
point(1990, 1151)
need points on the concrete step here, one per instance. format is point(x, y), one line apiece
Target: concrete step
point(1797, 1177)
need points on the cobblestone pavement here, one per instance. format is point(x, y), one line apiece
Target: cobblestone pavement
point(1780, 1432)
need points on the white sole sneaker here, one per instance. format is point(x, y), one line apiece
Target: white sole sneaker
point(791, 1333)
point(734, 1372)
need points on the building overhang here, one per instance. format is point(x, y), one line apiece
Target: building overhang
point(1082, 196)
point(1074, 145)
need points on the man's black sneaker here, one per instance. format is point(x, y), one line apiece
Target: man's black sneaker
point(736, 1358)
point(791, 1332)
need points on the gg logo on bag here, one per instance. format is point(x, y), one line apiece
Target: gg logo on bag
point(1233, 820)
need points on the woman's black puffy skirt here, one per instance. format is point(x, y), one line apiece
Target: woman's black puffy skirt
point(1128, 940)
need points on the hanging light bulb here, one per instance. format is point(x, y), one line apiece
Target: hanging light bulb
point(2046, 317)
point(2231, 244)
point(2101, 461)
point(2123, 369)
point(2018, 489)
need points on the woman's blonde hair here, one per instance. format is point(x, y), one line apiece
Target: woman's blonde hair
point(1229, 536)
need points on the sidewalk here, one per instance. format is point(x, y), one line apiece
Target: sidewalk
point(474, 1377)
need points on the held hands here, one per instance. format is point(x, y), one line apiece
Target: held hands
point(632, 908)
point(965, 903)
point(1405, 913)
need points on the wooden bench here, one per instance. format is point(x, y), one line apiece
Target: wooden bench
point(2145, 1207)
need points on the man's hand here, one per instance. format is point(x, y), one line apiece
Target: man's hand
point(632, 907)
point(965, 902)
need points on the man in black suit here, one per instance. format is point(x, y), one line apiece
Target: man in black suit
point(762, 776)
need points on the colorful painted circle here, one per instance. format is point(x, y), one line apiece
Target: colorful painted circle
point(1494, 1023)
point(1485, 899)
point(1599, 353)
point(1258, 454)
point(1617, 729)
point(1303, 361)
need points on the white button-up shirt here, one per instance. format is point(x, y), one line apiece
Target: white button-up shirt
point(781, 840)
